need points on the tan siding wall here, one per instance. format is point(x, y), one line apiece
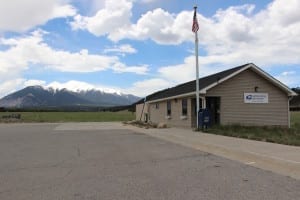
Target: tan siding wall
point(139, 109)
point(235, 111)
point(159, 115)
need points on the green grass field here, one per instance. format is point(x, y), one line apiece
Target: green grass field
point(295, 120)
point(73, 116)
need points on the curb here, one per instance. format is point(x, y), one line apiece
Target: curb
point(265, 162)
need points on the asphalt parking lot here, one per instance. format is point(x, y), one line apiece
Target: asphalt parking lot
point(55, 161)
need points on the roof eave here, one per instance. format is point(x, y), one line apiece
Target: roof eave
point(174, 97)
point(259, 71)
point(274, 81)
point(204, 90)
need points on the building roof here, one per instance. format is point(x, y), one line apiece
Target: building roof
point(208, 82)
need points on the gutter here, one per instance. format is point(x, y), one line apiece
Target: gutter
point(174, 97)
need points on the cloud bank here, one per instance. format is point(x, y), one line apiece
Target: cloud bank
point(26, 14)
point(239, 34)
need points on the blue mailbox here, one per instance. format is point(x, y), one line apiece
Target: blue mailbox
point(204, 118)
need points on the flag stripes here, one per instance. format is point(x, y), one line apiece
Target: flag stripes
point(195, 27)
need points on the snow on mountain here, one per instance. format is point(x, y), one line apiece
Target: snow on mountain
point(38, 96)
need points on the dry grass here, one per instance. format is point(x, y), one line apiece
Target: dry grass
point(269, 134)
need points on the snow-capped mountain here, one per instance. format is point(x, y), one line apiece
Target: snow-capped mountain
point(37, 96)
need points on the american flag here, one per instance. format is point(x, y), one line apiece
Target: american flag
point(195, 27)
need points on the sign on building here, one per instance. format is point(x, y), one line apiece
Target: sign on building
point(256, 98)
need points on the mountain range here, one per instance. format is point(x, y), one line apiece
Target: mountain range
point(38, 96)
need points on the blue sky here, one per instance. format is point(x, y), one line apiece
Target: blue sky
point(140, 46)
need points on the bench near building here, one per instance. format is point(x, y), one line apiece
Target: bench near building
point(244, 95)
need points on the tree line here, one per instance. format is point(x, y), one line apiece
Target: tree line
point(130, 108)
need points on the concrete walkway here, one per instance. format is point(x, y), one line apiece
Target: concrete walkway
point(281, 159)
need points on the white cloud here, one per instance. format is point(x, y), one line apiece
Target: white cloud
point(148, 86)
point(75, 86)
point(186, 70)
point(34, 82)
point(171, 29)
point(114, 21)
point(283, 12)
point(114, 15)
point(123, 49)
point(232, 36)
point(288, 73)
point(9, 86)
point(33, 50)
point(18, 16)
point(148, 1)
point(236, 36)
point(289, 78)
point(72, 85)
point(172, 75)
point(139, 88)
point(121, 68)
point(22, 52)
point(12, 85)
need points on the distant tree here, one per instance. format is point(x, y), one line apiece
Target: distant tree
point(297, 90)
point(295, 101)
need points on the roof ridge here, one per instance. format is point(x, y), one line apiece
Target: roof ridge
point(220, 72)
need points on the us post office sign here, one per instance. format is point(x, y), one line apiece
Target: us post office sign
point(256, 98)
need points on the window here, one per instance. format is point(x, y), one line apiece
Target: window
point(157, 106)
point(184, 107)
point(168, 108)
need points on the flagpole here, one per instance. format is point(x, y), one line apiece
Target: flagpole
point(197, 69)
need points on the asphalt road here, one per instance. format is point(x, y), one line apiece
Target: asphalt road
point(44, 161)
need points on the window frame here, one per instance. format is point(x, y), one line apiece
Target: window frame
point(169, 108)
point(184, 107)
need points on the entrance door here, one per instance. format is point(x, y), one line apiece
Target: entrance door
point(213, 104)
